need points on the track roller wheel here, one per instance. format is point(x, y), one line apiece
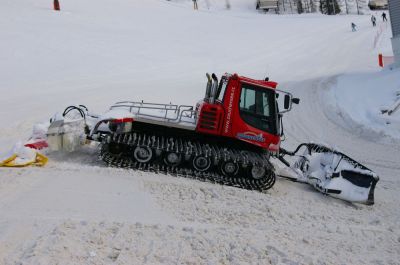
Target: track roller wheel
point(172, 159)
point(143, 154)
point(257, 172)
point(229, 168)
point(201, 163)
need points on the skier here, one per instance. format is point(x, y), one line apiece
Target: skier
point(228, 5)
point(195, 7)
point(353, 27)
point(373, 20)
point(384, 16)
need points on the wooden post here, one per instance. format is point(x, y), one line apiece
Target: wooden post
point(56, 5)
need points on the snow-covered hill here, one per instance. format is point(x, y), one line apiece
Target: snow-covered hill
point(95, 52)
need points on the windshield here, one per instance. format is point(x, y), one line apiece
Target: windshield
point(257, 107)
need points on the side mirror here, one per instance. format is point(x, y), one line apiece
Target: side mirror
point(285, 101)
point(286, 104)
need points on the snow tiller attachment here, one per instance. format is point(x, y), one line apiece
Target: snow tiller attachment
point(331, 172)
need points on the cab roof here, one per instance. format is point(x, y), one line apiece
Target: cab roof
point(260, 83)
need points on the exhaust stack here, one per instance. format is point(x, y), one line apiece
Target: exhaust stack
point(214, 88)
point(208, 87)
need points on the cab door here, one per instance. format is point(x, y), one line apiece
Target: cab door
point(255, 115)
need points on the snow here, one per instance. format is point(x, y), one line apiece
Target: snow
point(360, 98)
point(77, 211)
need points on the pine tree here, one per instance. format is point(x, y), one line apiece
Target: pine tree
point(335, 8)
point(313, 6)
point(329, 7)
point(300, 7)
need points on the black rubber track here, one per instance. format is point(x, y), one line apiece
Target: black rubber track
point(188, 149)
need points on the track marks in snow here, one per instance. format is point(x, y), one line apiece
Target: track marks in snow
point(74, 242)
point(109, 243)
point(287, 220)
point(205, 203)
point(209, 224)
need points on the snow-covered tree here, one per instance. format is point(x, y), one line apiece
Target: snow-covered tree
point(300, 7)
point(329, 7)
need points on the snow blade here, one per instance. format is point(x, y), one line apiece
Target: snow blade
point(333, 173)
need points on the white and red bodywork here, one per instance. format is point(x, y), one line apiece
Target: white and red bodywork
point(218, 115)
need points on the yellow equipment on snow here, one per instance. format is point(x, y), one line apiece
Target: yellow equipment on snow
point(23, 157)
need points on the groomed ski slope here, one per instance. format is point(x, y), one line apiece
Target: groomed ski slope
point(77, 211)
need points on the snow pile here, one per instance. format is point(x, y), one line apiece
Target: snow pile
point(368, 102)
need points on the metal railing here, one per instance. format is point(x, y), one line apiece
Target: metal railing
point(165, 112)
